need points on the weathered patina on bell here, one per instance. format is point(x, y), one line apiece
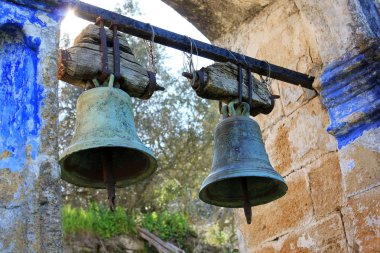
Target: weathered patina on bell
point(105, 150)
point(241, 174)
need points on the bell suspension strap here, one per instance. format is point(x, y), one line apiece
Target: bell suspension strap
point(103, 49)
point(152, 68)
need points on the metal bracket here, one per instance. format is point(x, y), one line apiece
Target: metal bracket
point(240, 84)
point(116, 55)
point(103, 50)
point(152, 86)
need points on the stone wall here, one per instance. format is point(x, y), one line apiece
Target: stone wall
point(325, 144)
point(30, 213)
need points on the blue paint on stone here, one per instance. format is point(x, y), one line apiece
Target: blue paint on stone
point(10, 13)
point(20, 97)
point(351, 93)
point(54, 11)
point(372, 14)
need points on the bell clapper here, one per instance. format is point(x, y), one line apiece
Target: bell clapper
point(247, 205)
point(108, 178)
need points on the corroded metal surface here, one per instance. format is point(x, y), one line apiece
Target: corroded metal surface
point(105, 125)
point(239, 153)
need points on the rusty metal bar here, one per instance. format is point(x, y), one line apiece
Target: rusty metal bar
point(187, 44)
point(103, 49)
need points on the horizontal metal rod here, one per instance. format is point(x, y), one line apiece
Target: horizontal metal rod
point(187, 44)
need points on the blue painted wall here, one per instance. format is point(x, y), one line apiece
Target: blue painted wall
point(371, 12)
point(21, 95)
point(351, 93)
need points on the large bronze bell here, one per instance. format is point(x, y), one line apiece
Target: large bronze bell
point(241, 174)
point(105, 149)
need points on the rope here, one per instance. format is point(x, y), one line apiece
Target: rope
point(190, 62)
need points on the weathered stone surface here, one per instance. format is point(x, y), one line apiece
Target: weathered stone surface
point(325, 179)
point(30, 215)
point(264, 249)
point(293, 97)
point(9, 221)
point(209, 16)
point(281, 216)
point(277, 113)
point(288, 45)
point(307, 134)
point(360, 163)
point(90, 244)
point(350, 89)
point(9, 183)
point(324, 236)
point(278, 147)
point(335, 36)
point(300, 55)
point(299, 139)
point(362, 221)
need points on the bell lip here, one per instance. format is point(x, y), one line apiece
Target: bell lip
point(213, 178)
point(107, 142)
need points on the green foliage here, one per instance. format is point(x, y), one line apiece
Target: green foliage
point(76, 221)
point(217, 236)
point(96, 220)
point(167, 226)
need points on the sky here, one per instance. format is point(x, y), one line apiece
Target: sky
point(154, 12)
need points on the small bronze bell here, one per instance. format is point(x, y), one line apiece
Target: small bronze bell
point(241, 174)
point(105, 150)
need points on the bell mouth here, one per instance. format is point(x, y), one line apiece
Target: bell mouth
point(84, 168)
point(227, 191)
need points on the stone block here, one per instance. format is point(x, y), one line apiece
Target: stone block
point(360, 163)
point(325, 180)
point(324, 236)
point(12, 227)
point(265, 249)
point(361, 219)
point(9, 188)
point(278, 147)
point(278, 217)
point(350, 91)
point(266, 121)
point(299, 55)
point(335, 36)
point(293, 97)
point(299, 139)
point(307, 133)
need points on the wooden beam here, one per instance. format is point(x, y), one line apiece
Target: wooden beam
point(159, 244)
point(79, 64)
